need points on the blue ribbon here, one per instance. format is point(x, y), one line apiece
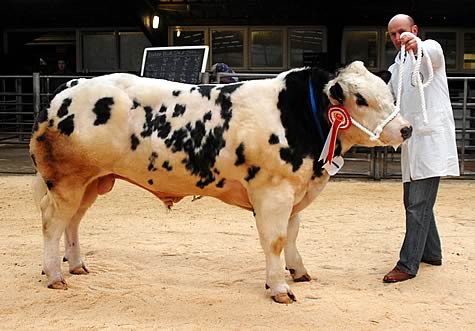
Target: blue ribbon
point(314, 109)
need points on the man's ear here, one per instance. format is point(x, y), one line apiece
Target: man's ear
point(414, 29)
point(384, 75)
point(336, 92)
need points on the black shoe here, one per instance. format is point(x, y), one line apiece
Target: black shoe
point(432, 262)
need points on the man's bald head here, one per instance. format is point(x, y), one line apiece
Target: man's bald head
point(401, 19)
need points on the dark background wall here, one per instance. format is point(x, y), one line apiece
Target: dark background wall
point(42, 15)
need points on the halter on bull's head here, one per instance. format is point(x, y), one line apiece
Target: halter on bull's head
point(370, 104)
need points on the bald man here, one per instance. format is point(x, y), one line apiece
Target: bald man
point(429, 154)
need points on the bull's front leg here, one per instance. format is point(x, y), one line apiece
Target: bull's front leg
point(293, 260)
point(272, 207)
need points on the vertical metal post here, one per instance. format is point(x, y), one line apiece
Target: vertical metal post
point(376, 154)
point(464, 126)
point(385, 161)
point(205, 77)
point(18, 108)
point(36, 93)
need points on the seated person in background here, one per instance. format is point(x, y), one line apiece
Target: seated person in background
point(222, 67)
point(62, 68)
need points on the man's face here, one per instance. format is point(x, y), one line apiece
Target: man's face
point(397, 27)
point(61, 65)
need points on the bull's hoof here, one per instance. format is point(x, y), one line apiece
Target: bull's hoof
point(304, 278)
point(285, 298)
point(58, 285)
point(81, 270)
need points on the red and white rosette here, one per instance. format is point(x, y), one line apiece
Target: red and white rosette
point(340, 120)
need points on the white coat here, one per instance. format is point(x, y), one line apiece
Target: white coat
point(432, 149)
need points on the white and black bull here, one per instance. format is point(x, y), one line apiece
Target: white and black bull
point(254, 144)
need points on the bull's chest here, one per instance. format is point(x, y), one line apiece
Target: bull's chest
point(314, 188)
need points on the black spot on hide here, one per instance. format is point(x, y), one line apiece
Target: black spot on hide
point(166, 165)
point(176, 93)
point(74, 82)
point(240, 155)
point(224, 101)
point(207, 117)
point(41, 138)
point(66, 126)
point(290, 156)
point(134, 141)
point(273, 139)
point(51, 123)
point(205, 181)
point(197, 133)
point(135, 104)
point(102, 109)
point(151, 159)
point(63, 109)
point(205, 90)
point(150, 181)
point(177, 140)
point(155, 123)
point(179, 110)
point(252, 172)
point(220, 184)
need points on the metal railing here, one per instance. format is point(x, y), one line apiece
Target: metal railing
point(22, 96)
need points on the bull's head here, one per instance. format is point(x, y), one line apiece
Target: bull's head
point(368, 100)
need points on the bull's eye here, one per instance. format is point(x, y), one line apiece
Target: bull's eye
point(360, 100)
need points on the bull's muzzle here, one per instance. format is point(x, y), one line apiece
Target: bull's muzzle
point(406, 132)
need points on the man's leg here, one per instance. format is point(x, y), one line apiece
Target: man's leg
point(419, 200)
point(432, 251)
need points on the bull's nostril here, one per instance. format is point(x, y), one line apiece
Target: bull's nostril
point(406, 132)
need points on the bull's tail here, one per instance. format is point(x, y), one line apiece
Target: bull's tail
point(39, 190)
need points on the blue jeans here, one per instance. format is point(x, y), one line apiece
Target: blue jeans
point(422, 239)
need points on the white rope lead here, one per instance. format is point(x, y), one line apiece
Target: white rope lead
point(416, 78)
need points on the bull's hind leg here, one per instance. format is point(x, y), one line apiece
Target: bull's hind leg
point(72, 250)
point(293, 260)
point(57, 212)
point(272, 206)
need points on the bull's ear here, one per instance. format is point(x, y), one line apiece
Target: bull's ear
point(384, 75)
point(336, 92)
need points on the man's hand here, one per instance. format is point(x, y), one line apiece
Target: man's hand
point(409, 41)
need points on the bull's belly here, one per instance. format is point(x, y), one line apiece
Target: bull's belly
point(171, 187)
